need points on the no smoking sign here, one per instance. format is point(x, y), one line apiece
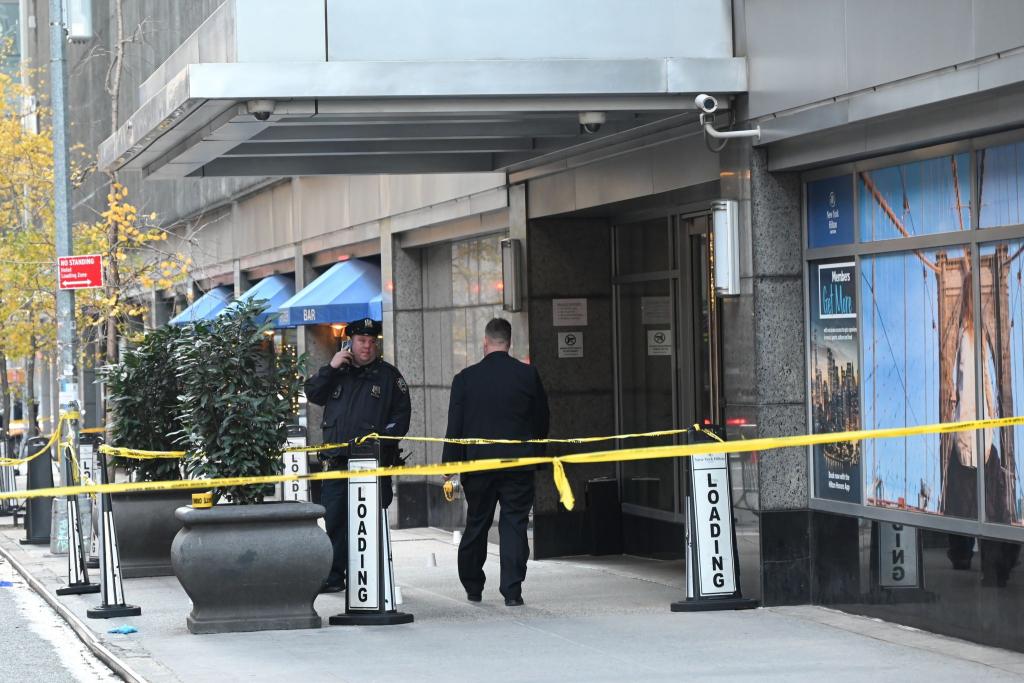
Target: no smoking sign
point(570, 344)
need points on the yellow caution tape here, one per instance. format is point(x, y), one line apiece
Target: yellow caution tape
point(14, 462)
point(479, 441)
point(315, 449)
point(222, 482)
point(561, 480)
point(202, 500)
point(135, 454)
point(469, 441)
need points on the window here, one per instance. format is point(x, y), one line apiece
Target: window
point(919, 321)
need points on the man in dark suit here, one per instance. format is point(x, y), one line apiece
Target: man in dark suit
point(498, 398)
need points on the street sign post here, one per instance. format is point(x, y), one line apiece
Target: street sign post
point(79, 272)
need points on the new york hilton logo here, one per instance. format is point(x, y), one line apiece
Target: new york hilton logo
point(832, 214)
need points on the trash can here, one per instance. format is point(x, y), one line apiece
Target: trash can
point(604, 516)
point(40, 476)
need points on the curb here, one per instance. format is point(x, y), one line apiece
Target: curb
point(84, 633)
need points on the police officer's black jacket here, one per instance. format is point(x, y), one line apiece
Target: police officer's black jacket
point(361, 400)
point(498, 398)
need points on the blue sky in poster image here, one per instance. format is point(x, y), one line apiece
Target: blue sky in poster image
point(922, 195)
point(900, 337)
point(1016, 313)
point(1001, 172)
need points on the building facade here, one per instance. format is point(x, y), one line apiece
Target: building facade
point(879, 220)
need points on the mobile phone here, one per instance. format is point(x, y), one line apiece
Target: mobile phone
point(344, 344)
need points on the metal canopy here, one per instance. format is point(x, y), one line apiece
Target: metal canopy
point(339, 103)
point(274, 290)
point(347, 291)
point(206, 307)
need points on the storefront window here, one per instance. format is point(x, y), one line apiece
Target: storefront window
point(476, 272)
point(918, 350)
point(1001, 185)
point(1002, 375)
point(917, 198)
point(476, 295)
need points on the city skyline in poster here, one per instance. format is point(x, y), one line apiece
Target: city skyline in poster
point(835, 378)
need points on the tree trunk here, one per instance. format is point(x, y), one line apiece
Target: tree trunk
point(5, 393)
point(31, 407)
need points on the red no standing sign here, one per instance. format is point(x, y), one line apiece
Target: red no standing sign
point(79, 272)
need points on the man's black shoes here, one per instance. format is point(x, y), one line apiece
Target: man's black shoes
point(332, 588)
point(474, 597)
point(514, 602)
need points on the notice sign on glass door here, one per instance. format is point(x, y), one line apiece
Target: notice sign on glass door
point(659, 342)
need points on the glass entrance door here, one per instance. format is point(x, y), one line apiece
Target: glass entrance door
point(666, 360)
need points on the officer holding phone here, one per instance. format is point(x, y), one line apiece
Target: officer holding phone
point(361, 394)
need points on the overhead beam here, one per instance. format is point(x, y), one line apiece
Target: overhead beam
point(427, 131)
point(361, 147)
point(352, 165)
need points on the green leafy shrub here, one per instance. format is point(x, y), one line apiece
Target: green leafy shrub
point(143, 394)
point(235, 399)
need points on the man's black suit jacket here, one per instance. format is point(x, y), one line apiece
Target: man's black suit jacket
point(498, 398)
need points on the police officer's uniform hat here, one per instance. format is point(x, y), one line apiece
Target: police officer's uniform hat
point(365, 326)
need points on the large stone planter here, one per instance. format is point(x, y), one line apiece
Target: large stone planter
point(251, 567)
point(145, 526)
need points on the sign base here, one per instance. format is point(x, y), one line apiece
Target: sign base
point(371, 619)
point(79, 589)
point(710, 604)
point(35, 541)
point(898, 596)
point(112, 611)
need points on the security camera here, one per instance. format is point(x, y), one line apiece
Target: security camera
point(706, 103)
point(260, 109)
point(590, 121)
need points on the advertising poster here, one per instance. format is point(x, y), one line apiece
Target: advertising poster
point(835, 377)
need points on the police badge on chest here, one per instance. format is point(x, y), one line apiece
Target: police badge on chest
point(375, 391)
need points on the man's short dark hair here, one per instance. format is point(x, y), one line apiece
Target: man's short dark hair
point(499, 330)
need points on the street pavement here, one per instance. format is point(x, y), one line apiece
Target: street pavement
point(586, 619)
point(36, 644)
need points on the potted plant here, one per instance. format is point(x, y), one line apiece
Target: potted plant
point(246, 566)
point(143, 394)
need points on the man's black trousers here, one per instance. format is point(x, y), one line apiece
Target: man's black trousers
point(334, 498)
point(484, 490)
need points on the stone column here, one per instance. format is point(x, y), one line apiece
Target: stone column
point(239, 281)
point(403, 339)
point(765, 366)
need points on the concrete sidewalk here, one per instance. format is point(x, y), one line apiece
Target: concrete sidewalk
point(586, 619)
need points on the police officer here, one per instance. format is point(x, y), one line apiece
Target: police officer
point(361, 394)
point(498, 398)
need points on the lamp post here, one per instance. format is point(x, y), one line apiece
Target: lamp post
point(67, 375)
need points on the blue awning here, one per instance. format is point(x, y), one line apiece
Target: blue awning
point(275, 290)
point(348, 291)
point(205, 307)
